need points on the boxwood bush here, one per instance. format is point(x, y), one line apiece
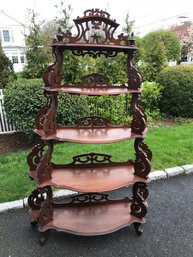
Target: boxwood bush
point(177, 91)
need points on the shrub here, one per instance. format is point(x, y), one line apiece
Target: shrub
point(177, 91)
point(6, 72)
point(150, 99)
point(24, 97)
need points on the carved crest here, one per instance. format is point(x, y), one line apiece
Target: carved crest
point(95, 27)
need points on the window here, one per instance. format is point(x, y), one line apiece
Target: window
point(22, 59)
point(14, 57)
point(6, 36)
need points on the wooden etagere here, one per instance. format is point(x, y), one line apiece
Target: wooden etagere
point(91, 212)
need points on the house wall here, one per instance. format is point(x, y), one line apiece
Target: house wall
point(12, 36)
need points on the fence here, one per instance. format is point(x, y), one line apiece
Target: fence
point(5, 125)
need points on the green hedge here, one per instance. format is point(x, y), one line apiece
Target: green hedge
point(177, 91)
point(24, 97)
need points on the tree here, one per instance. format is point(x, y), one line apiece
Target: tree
point(7, 73)
point(187, 45)
point(159, 47)
point(73, 68)
point(37, 55)
point(127, 29)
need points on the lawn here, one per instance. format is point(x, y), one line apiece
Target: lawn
point(171, 146)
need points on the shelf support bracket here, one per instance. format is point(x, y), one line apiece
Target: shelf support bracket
point(142, 164)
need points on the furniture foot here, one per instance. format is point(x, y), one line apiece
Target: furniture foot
point(44, 237)
point(138, 228)
point(34, 223)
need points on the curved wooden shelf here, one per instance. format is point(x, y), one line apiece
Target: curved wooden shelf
point(90, 220)
point(91, 135)
point(91, 178)
point(93, 90)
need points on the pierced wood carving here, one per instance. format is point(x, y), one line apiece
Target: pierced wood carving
point(134, 77)
point(89, 198)
point(51, 76)
point(143, 156)
point(95, 27)
point(38, 196)
point(140, 191)
point(138, 123)
point(44, 168)
point(46, 117)
point(91, 158)
point(33, 158)
point(46, 213)
point(93, 122)
point(140, 194)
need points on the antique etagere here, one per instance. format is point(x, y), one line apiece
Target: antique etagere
point(91, 211)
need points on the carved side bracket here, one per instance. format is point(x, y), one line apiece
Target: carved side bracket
point(39, 196)
point(33, 158)
point(46, 116)
point(44, 168)
point(142, 164)
point(138, 123)
point(46, 213)
point(140, 194)
point(134, 77)
point(51, 76)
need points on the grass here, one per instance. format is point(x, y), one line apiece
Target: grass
point(171, 146)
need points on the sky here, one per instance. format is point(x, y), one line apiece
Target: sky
point(148, 15)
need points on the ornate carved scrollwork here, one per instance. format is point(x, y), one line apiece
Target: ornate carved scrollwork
point(39, 196)
point(138, 123)
point(95, 27)
point(46, 213)
point(34, 157)
point(138, 209)
point(44, 168)
point(143, 156)
point(140, 194)
point(92, 122)
point(94, 54)
point(95, 79)
point(91, 158)
point(89, 198)
point(46, 116)
point(134, 77)
point(140, 191)
point(51, 76)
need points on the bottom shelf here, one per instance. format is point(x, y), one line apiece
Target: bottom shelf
point(90, 219)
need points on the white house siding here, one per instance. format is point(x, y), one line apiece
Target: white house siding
point(12, 36)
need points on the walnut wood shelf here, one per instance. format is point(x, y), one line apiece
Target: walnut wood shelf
point(91, 135)
point(91, 178)
point(85, 90)
point(90, 220)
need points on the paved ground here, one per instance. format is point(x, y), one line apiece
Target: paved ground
point(167, 233)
